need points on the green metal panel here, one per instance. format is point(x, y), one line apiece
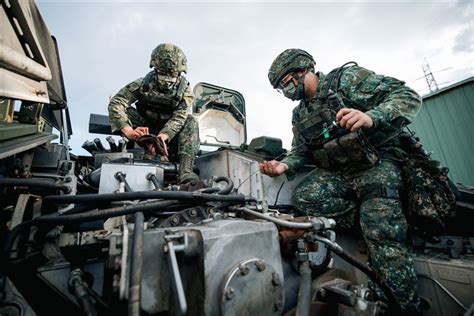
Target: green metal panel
point(445, 126)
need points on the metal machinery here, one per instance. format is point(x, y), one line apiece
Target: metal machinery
point(113, 234)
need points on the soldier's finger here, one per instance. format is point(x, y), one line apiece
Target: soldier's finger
point(357, 125)
point(341, 113)
point(165, 149)
point(352, 121)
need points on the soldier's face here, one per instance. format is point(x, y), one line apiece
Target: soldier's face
point(165, 80)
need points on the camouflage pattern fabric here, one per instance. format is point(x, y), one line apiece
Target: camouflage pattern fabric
point(179, 122)
point(339, 193)
point(383, 225)
point(168, 57)
point(289, 60)
point(387, 100)
point(431, 201)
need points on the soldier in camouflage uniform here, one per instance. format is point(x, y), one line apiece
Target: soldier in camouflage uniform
point(347, 124)
point(162, 101)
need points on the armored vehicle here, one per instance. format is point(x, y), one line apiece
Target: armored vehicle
point(112, 233)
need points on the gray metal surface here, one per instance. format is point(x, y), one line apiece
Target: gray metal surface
point(21, 144)
point(135, 175)
point(244, 171)
point(457, 276)
point(215, 249)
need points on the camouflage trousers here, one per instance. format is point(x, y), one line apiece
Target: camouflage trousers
point(383, 225)
point(185, 142)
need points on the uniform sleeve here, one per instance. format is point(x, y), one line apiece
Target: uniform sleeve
point(297, 157)
point(176, 122)
point(120, 102)
point(388, 101)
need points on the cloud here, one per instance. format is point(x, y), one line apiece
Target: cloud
point(464, 41)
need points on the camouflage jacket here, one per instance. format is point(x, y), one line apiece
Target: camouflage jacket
point(132, 92)
point(387, 100)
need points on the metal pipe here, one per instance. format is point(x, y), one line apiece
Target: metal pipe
point(444, 289)
point(79, 289)
point(136, 266)
point(337, 249)
point(176, 276)
point(304, 291)
point(277, 221)
point(36, 183)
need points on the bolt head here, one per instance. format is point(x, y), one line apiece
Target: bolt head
point(275, 279)
point(230, 293)
point(244, 270)
point(260, 265)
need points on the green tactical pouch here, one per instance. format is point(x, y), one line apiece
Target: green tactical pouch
point(351, 151)
point(430, 200)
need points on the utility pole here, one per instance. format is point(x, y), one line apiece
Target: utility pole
point(430, 79)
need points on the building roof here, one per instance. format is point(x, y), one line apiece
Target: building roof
point(452, 86)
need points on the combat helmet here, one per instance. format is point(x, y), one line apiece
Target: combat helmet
point(169, 57)
point(289, 60)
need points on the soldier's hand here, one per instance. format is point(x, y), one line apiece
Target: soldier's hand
point(136, 133)
point(273, 168)
point(164, 140)
point(353, 119)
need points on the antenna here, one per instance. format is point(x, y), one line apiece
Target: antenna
point(430, 79)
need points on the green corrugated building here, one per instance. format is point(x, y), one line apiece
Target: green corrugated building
point(445, 125)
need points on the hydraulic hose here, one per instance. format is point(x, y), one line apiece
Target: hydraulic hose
point(79, 289)
point(37, 183)
point(277, 221)
point(144, 195)
point(136, 266)
point(304, 292)
point(228, 188)
point(392, 301)
point(82, 217)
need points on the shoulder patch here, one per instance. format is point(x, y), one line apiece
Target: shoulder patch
point(134, 86)
point(362, 74)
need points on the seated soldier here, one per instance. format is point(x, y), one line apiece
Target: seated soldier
point(346, 124)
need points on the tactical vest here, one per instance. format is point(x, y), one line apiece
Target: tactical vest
point(333, 147)
point(155, 104)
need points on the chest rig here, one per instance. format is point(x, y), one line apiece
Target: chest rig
point(155, 104)
point(332, 147)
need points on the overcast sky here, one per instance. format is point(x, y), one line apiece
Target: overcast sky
point(105, 45)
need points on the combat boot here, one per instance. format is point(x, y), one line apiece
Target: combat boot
point(186, 173)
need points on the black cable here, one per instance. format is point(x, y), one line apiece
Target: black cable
point(36, 183)
point(392, 301)
point(143, 195)
point(228, 188)
point(81, 217)
point(278, 193)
